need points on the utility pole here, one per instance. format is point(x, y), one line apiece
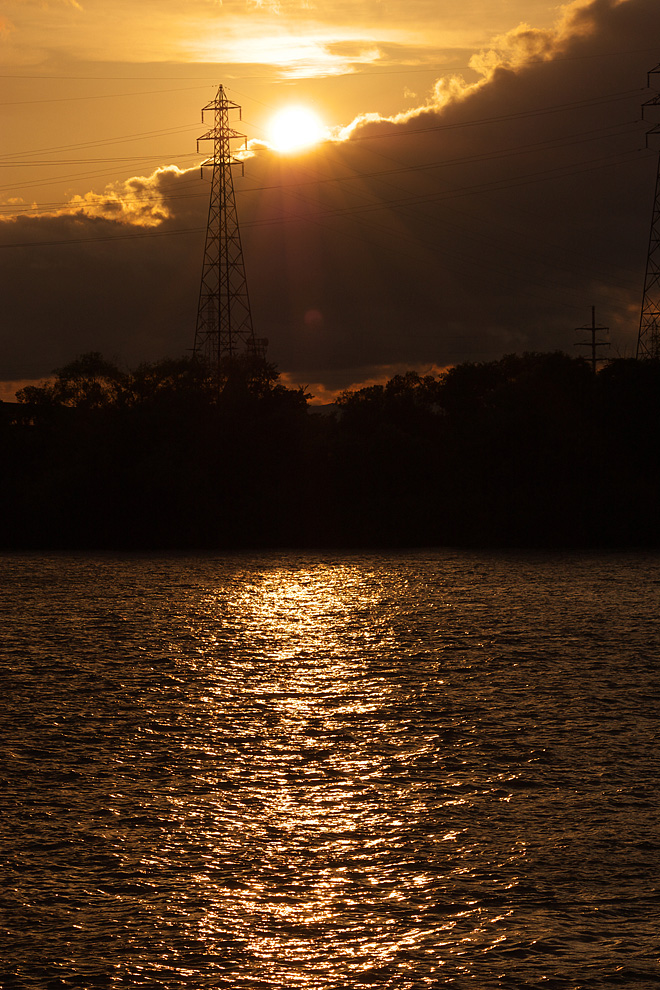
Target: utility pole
point(594, 344)
point(224, 321)
point(648, 338)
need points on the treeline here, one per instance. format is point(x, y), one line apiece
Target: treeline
point(530, 450)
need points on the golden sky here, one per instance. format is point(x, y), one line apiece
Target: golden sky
point(294, 35)
point(76, 72)
point(494, 185)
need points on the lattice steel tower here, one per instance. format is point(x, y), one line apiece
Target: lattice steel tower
point(648, 340)
point(224, 321)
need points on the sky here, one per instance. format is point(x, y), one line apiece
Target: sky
point(484, 182)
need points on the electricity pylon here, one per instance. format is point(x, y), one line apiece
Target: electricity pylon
point(593, 344)
point(648, 339)
point(224, 320)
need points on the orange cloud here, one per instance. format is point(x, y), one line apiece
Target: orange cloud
point(322, 394)
point(139, 200)
point(525, 44)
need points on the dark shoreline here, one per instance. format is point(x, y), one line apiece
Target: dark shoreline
point(529, 452)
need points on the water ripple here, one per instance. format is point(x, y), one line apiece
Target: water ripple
point(296, 771)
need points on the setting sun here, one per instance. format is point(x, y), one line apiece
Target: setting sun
point(294, 128)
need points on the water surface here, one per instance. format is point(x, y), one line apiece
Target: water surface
point(322, 771)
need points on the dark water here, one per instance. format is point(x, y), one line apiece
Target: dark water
point(302, 771)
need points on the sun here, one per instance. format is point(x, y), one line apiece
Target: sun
point(295, 128)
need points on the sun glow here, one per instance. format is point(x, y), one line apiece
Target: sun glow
point(295, 128)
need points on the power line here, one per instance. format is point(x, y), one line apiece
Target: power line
point(96, 161)
point(98, 96)
point(120, 139)
point(401, 168)
point(408, 131)
point(406, 203)
point(593, 165)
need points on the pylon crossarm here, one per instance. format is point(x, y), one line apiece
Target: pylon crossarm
point(233, 161)
point(221, 101)
point(226, 135)
point(652, 131)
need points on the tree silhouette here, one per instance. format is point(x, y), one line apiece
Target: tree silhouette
point(530, 449)
point(88, 382)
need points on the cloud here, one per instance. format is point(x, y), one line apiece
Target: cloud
point(524, 44)
point(210, 30)
point(140, 200)
point(488, 220)
point(322, 394)
point(296, 54)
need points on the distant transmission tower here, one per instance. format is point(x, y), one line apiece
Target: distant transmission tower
point(648, 340)
point(594, 343)
point(224, 320)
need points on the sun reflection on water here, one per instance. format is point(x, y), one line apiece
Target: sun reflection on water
point(325, 854)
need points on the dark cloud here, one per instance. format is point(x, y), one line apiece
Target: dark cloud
point(489, 221)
